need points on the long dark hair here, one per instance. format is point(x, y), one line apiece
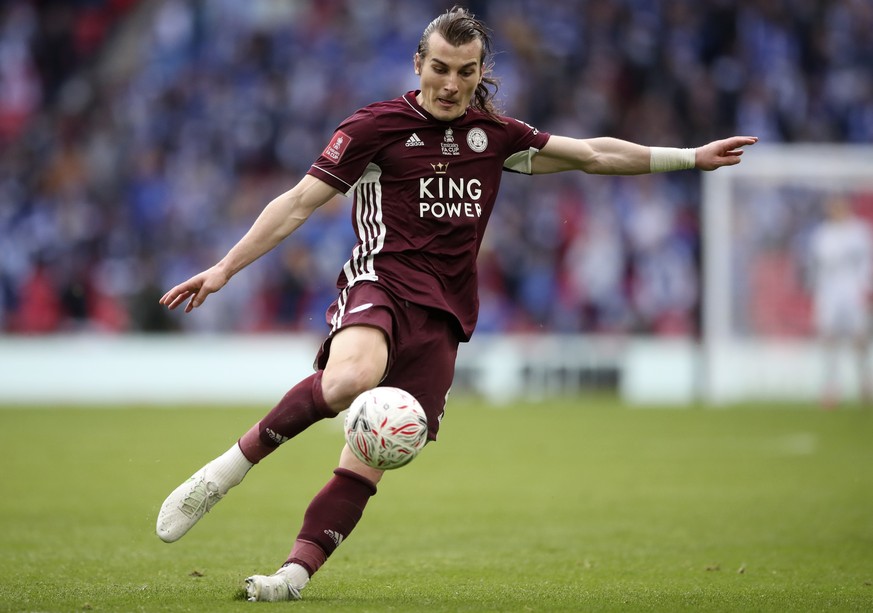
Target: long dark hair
point(459, 27)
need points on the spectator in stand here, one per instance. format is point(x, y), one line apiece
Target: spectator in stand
point(213, 89)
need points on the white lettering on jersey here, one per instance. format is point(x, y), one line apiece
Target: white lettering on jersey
point(446, 187)
point(449, 209)
point(449, 146)
point(414, 141)
point(449, 197)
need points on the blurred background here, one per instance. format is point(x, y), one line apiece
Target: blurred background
point(140, 138)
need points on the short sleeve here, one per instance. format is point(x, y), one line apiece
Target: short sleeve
point(351, 148)
point(526, 141)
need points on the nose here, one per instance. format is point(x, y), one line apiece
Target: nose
point(451, 83)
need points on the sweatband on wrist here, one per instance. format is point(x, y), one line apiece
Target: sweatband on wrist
point(664, 159)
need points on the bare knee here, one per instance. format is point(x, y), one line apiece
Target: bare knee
point(357, 362)
point(342, 385)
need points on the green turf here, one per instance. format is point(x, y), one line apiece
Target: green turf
point(575, 505)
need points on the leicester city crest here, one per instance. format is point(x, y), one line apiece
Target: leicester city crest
point(477, 140)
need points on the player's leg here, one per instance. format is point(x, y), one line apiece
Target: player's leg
point(830, 320)
point(337, 508)
point(357, 362)
point(830, 354)
point(334, 512)
point(861, 347)
point(358, 359)
point(424, 366)
point(329, 519)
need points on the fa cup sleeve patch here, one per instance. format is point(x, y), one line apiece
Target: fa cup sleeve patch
point(337, 147)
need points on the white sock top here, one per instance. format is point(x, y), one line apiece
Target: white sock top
point(228, 469)
point(296, 575)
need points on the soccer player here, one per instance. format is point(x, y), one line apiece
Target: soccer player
point(842, 264)
point(424, 170)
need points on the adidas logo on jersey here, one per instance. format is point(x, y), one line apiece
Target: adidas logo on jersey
point(414, 141)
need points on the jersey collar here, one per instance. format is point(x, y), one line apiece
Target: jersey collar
point(411, 99)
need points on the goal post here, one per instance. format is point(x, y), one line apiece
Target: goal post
point(757, 339)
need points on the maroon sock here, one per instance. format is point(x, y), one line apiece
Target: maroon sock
point(301, 407)
point(330, 518)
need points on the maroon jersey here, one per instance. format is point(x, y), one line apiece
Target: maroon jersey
point(423, 193)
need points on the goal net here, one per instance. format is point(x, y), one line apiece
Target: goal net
point(758, 334)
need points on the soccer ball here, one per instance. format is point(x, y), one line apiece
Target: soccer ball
point(386, 427)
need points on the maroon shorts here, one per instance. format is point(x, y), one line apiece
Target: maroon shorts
point(422, 344)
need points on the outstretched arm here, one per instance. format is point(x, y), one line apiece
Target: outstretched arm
point(280, 217)
point(612, 156)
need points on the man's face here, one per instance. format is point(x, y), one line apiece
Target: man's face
point(449, 77)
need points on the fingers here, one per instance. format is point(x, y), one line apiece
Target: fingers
point(182, 292)
point(168, 298)
point(191, 303)
point(727, 152)
point(733, 149)
point(739, 141)
point(175, 297)
point(194, 291)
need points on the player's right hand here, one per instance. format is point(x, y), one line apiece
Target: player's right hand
point(195, 290)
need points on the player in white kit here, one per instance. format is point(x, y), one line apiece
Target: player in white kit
point(842, 264)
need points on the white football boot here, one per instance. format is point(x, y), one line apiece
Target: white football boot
point(186, 505)
point(284, 584)
point(203, 490)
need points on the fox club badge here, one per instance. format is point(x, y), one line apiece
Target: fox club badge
point(477, 140)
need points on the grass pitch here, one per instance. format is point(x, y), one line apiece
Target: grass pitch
point(575, 505)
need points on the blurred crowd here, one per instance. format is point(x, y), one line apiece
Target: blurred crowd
point(139, 140)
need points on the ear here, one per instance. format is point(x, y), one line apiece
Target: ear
point(416, 63)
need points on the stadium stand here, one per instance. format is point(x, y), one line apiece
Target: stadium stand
point(139, 139)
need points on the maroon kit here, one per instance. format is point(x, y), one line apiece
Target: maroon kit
point(423, 192)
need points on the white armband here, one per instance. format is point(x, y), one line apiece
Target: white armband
point(664, 159)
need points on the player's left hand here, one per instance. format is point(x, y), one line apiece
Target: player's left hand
point(720, 153)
